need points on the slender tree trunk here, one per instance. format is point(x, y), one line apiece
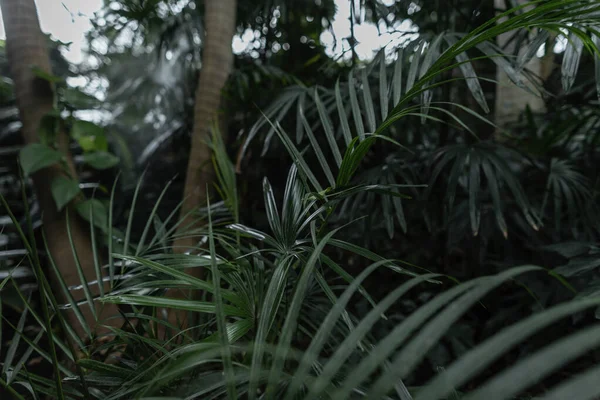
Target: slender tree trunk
point(26, 47)
point(217, 63)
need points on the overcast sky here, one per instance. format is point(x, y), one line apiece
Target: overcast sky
point(68, 20)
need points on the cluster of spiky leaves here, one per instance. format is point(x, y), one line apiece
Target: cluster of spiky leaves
point(271, 322)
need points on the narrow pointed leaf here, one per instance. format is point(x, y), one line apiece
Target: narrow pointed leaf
point(414, 68)
point(384, 97)
point(480, 357)
point(571, 59)
point(471, 78)
point(317, 149)
point(412, 353)
point(342, 114)
point(328, 127)
point(538, 366)
point(368, 101)
point(356, 114)
point(397, 83)
point(268, 312)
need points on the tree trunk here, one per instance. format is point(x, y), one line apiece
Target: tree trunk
point(217, 63)
point(26, 47)
point(511, 99)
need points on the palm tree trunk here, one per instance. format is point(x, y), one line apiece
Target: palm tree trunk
point(217, 62)
point(26, 47)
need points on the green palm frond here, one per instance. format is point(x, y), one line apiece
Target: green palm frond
point(468, 167)
point(429, 58)
point(566, 188)
point(329, 376)
point(275, 323)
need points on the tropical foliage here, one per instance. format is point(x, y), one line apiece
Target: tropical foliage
point(405, 253)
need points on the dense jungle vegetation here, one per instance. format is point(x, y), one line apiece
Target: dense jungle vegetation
point(287, 218)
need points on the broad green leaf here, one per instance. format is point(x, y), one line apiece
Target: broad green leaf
point(100, 213)
point(354, 155)
point(64, 190)
point(49, 126)
point(100, 160)
point(90, 136)
point(36, 156)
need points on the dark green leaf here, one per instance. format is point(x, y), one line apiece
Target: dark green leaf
point(36, 156)
point(89, 136)
point(48, 128)
point(100, 159)
point(64, 190)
